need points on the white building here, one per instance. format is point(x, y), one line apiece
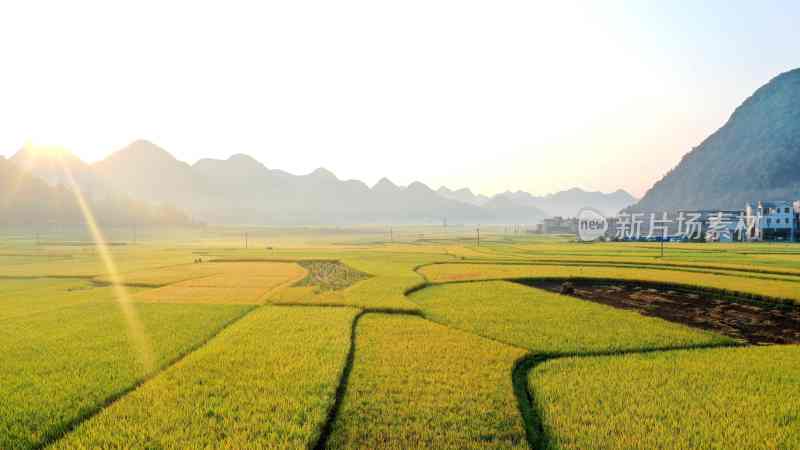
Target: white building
point(774, 221)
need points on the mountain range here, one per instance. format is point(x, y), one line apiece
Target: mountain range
point(564, 203)
point(28, 200)
point(754, 156)
point(241, 190)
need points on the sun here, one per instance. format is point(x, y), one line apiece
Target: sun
point(46, 152)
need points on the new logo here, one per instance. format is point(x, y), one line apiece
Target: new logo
point(592, 225)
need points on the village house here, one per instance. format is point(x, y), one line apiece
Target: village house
point(774, 221)
point(559, 225)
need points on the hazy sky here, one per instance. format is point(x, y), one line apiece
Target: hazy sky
point(493, 95)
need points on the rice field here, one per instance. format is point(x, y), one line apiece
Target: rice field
point(416, 384)
point(27, 297)
point(329, 275)
point(718, 398)
point(230, 283)
point(329, 338)
point(268, 382)
point(551, 324)
point(62, 365)
point(391, 276)
point(754, 283)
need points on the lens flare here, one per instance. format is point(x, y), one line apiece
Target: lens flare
point(135, 329)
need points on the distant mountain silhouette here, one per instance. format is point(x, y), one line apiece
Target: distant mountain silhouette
point(384, 186)
point(27, 199)
point(754, 156)
point(241, 190)
point(463, 195)
point(568, 203)
point(150, 173)
point(565, 203)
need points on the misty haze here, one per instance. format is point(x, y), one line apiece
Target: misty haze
point(444, 225)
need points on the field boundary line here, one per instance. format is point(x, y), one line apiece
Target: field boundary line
point(713, 270)
point(721, 293)
point(266, 297)
point(287, 260)
point(532, 417)
point(37, 277)
point(553, 355)
point(72, 425)
point(341, 389)
point(365, 310)
point(538, 437)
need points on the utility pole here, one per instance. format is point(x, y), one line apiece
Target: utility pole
point(391, 235)
point(478, 236)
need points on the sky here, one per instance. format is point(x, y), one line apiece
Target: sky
point(495, 96)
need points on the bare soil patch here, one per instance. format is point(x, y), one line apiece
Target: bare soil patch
point(747, 320)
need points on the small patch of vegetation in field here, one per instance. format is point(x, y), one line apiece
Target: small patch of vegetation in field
point(417, 384)
point(713, 398)
point(329, 275)
point(266, 382)
point(392, 275)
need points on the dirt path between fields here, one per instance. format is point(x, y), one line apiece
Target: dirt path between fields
point(754, 322)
